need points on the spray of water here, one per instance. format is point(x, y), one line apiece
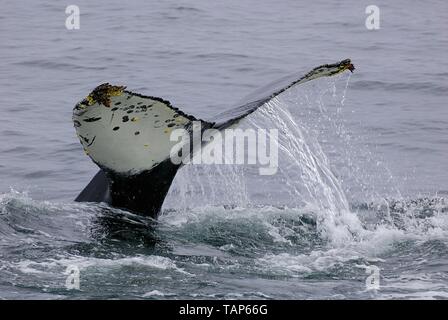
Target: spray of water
point(324, 169)
point(306, 172)
point(304, 179)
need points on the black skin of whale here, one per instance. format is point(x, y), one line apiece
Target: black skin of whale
point(144, 193)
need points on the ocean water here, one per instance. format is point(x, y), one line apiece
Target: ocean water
point(363, 172)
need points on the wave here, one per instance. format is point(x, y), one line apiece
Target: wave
point(243, 230)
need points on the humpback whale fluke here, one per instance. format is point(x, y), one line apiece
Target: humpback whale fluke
point(128, 136)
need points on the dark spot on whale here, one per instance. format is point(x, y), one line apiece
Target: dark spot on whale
point(137, 133)
point(130, 111)
point(171, 125)
point(77, 123)
point(114, 109)
point(125, 119)
point(93, 140)
point(156, 115)
point(117, 103)
point(93, 119)
point(86, 140)
point(116, 128)
point(139, 103)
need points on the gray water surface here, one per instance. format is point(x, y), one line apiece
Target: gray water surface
point(379, 196)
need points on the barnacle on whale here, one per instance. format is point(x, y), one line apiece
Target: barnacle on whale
point(103, 93)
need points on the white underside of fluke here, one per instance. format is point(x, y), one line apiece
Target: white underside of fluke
point(129, 136)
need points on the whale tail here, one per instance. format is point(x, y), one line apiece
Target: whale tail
point(128, 136)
